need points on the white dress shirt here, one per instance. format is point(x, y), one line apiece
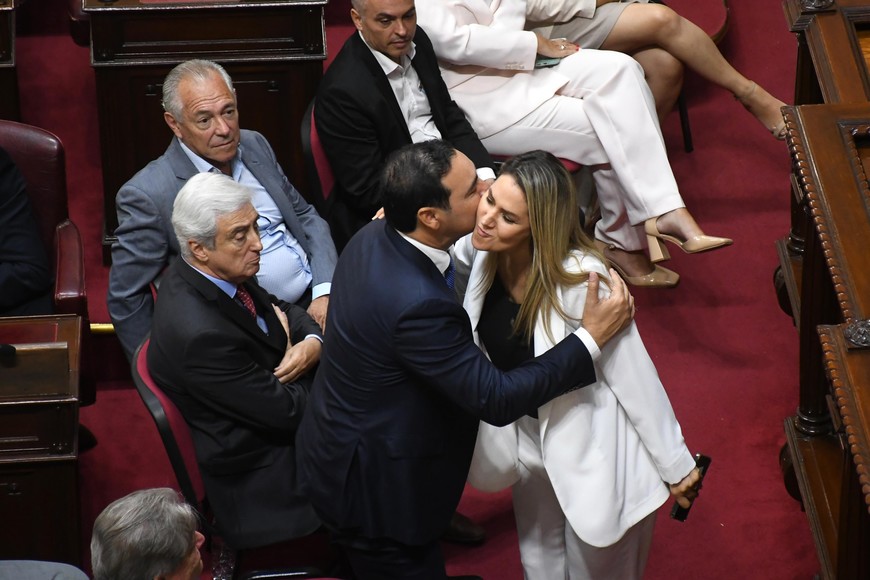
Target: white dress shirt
point(412, 99)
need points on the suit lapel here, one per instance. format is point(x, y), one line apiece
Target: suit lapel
point(420, 260)
point(265, 172)
point(381, 82)
point(474, 294)
point(264, 307)
point(178, 160)
point(227, 306)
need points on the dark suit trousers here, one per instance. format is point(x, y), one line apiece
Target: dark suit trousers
point(385, 559)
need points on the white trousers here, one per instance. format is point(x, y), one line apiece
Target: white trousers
point(549, 548)
point(605, 116)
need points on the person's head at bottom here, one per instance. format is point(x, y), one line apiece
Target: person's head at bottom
point(148, 535)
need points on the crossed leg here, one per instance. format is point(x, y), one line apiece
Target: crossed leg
point(642, 26)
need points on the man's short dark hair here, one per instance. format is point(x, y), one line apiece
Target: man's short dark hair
point(411, 179)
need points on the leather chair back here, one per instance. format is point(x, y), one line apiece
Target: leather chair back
point(40, 157)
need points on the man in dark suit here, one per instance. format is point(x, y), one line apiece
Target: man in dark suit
point(25, 278)
point(222, 352)
point(299, 255)
point(386, 442)
point(384, 90)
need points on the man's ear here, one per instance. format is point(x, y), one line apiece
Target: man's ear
point(428, 217)
point(199, 252)
point(357, 19)
point(173, 124)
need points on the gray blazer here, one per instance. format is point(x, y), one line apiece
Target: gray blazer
point(146, 240)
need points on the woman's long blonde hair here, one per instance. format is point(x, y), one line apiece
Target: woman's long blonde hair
point(556, 230)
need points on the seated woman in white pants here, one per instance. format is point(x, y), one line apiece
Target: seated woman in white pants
point(593, 108)
point(661, 40)
point(590, 470)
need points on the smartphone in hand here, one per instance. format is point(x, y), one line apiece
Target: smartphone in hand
point(546, 62)
point(702, 462)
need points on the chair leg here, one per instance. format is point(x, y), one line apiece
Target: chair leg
point(684, 122)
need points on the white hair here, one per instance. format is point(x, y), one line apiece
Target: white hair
point(203, 199)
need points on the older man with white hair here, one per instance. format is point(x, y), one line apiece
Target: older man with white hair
point(224, 351)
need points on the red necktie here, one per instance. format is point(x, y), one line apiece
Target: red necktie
point(246, 299)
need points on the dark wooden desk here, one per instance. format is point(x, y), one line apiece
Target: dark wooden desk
point(273, 49)
point(832, 50)
point(828, 286)
point(9, 108)
point(39, 496)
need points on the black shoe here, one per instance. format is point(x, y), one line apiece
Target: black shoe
point(463, 531)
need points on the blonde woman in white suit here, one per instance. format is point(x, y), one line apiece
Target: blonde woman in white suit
point(594, 107)
point(589, 472)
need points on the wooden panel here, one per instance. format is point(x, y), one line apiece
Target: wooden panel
point(272, 49)
point(831, 38)
point(40, 506)
point(232, 35)
point(830, 148)
point(33, 429)
point(37, 370)
point(39, 499)
point(818, 462)
point(9, 106)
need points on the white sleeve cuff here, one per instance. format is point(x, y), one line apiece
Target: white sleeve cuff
point(587, 339)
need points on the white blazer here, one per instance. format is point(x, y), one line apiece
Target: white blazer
point(483, 48)
point(559, 10)
point(608, 448)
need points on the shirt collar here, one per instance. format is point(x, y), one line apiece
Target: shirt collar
point(387, 64)
point(227, 288)
point(203, 166)
point(440, 258)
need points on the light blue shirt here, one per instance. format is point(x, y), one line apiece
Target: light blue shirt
point(284, 268)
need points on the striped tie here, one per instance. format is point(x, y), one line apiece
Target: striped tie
point(246, 300)
point(450, 274)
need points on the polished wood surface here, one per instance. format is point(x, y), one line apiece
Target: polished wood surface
point(828, 285)
point(273, 49)
point(831, 65)
point(39, 496)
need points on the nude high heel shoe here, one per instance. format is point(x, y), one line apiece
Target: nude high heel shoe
point(659, 278)
point(777, 130)
point(658, 252)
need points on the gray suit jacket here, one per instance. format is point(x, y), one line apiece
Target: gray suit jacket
point(146, 240)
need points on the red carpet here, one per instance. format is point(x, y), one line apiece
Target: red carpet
point(723, 348)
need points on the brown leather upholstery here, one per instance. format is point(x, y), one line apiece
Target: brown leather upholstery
point(40, 157)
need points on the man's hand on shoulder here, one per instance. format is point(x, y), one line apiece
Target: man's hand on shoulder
point(603, 319)
point(317, 310)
